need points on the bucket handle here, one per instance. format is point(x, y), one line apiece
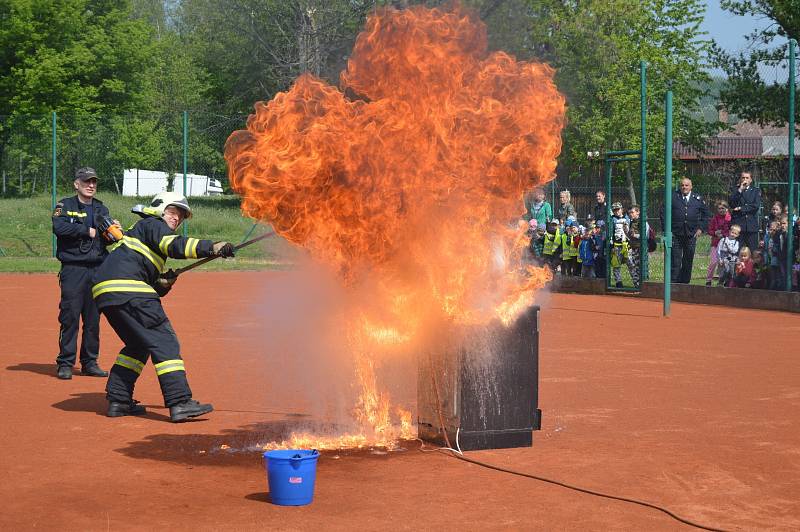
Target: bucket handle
point(297, 458)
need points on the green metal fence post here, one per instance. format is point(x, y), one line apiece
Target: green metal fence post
point(791, 206)
point(53, 183)
point(185, 164)
point(643, 258)
point(667, 202)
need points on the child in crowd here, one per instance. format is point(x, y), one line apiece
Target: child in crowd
point(728, 253)
point(551, 247)
point(635, 238)
point(536, 245)
point(600, 245)
point(619, 242)
point(769, 260)
point(775, 212)
point(569, 249)
point(759, 271)
point(587, 251)
point(743, 276)
point(779, 249)
point(796, 262)
point(718, 228)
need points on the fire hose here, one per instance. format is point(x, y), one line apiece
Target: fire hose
point(209, 259)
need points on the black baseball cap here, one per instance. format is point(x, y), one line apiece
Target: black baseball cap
point(85, 174)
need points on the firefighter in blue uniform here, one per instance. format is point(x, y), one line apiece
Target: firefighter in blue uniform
point(81, 250)
point(690, 218)
point(127, 289)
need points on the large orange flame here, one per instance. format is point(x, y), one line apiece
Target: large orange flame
point(411, 173)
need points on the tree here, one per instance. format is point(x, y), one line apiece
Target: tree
point(749, 94)
point(255, 48)
point(82, 57)
point(596, 47)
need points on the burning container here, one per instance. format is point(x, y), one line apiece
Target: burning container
point(482, 385)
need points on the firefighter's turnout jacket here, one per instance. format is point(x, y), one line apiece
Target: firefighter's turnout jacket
point(71, 223)
point(132, 268)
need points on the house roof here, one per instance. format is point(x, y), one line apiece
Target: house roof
point(746, 140)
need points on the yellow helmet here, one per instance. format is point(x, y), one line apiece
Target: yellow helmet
point(162, 200)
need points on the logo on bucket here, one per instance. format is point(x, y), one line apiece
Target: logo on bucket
point(295, 480)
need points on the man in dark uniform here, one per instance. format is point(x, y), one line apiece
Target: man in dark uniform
point(81, 250)
point(689, 219)
point(745, 202)
point(127, 289)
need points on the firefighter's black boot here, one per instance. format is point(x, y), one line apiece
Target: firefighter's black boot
point(64, 372)
point(118, 409)
point(93, 370)
point(187, 409)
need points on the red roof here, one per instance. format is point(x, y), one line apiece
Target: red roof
point(722, 148)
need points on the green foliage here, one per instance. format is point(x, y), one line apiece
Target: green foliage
point(751, 95)
point(596, 47)
point(26, 233)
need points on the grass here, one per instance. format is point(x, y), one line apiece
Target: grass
point(26, 233)
point(26, 237)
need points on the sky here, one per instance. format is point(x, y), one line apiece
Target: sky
point(729, 30)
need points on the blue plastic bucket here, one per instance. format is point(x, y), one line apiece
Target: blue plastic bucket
point(291, 475)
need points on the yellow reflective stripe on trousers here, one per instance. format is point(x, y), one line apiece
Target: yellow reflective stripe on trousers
point(190, 250)
point(138, 246)
point(165, 242)
point(130, 363)
point(168, 366)
point(122, 285)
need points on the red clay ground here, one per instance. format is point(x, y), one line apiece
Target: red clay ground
point(697, 413)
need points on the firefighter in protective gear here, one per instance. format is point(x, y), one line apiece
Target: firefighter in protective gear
point(81, 249)
point(127, 289)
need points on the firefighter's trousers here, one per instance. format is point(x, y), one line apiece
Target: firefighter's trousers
point(144, 328)
point(76, 302)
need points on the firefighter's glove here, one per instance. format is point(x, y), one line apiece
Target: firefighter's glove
point(224, 249)
point(167, 279)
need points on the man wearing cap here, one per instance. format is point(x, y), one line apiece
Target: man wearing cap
point(80, 249)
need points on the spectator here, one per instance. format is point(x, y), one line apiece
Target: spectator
point(775, 212)
point(551, 252)
point(759, 270)
point(601, 207)
point(566, 209)
point(728, 254)
point(587, 251)
point(619, 246)
point(689, 216)
point(718, 229)
point(743, 278)
point(635, 237)
point(745, 202)
point(771, 260)
point(796, 248)
point(536, 245)
point(569, 249)
point(779, 250)
point(536, 208)
point(600, 263)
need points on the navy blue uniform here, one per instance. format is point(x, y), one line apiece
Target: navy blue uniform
point(126, 291)
point(747, 217)
point(80, 255)
point(687, 218)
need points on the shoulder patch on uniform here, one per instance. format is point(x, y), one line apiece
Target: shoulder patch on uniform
point(57, 212)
